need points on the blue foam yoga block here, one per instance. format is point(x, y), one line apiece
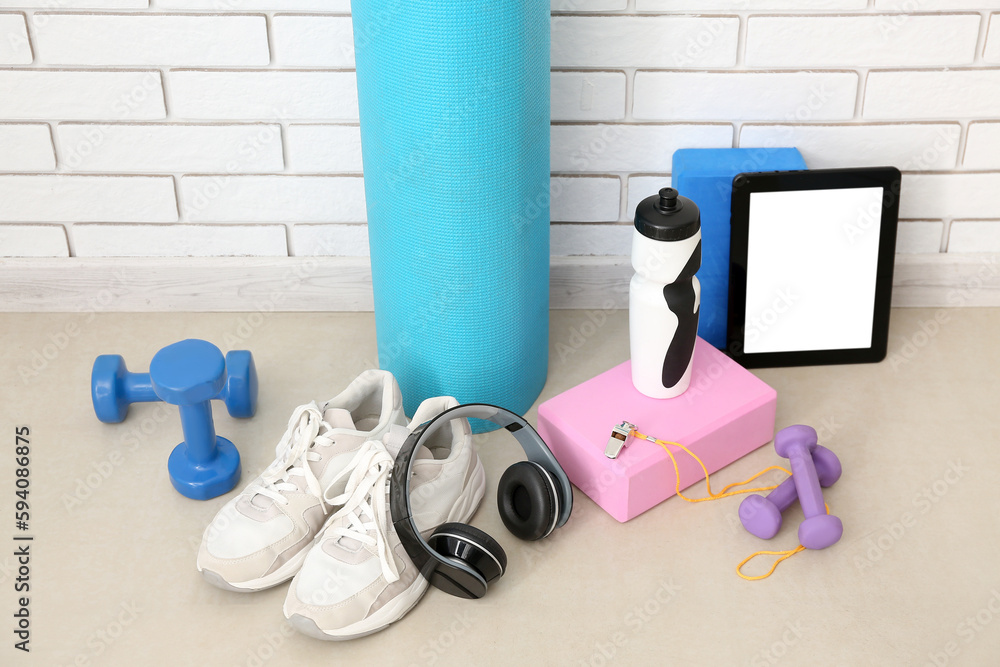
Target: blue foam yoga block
point(705, 175)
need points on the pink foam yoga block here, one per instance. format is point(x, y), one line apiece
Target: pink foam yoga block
point(725, 414)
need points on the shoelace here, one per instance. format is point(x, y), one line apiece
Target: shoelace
point(364, 504)
point(293, 453)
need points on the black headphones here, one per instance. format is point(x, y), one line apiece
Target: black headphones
point(534, 498)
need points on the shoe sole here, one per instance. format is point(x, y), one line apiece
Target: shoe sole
point(463, 510)
point(380, 620)
point(279, 576)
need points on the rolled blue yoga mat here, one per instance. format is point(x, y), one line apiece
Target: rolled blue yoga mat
point(454, 103)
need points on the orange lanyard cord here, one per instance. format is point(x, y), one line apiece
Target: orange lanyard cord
point(784, 555)
point(724, 494)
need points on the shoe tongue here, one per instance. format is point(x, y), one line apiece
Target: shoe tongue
point(339, 418)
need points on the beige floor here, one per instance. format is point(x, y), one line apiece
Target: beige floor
point(915, 578)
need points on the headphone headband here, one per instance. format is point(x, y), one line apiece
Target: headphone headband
point(453, 577)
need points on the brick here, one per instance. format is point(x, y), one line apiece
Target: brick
point(26, 147)
point(324, 149)
point(339, 6)
point(624, 148)
point(81, 95)
point(644, 41)
point(33, 241)
point(270, 95)
point(585, 199)
point(919, 236)
point(937, 94)
point(861, 41)
point(14, 46)
point(588, 5)
point(170, 148)
point(71, 198)
point(746, 5)
point(640, 187)
point(913, 147)
point(77, 4)
point(588, 95)
point(929, 5)
point(330, 240)
point(949, 196)
point(273, 198)
point(991, 53)
point(578, 240)
point(744, 95)
point(313, 41)
point(974, 236)
point(179, 240)
point(150, 39)
point(982, 147)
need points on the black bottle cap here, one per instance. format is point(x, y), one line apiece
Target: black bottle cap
point(667, 217)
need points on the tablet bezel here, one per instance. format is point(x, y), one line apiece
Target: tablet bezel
point(889, 179)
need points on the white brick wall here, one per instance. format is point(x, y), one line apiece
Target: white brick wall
point(14, 47)
point(751, 5)
point(745, 95)
point(335, 240)
point(992, 52)
point(644, 41)
point(212, 128)
point(628, 147)
point(910, 147)
point(862, 41)
point(983, 147)
point(225, 198)
point(149, 148)
point(588, 95)
point(586, 199)
point(313, 41)
point(62, 198)
point(310, 148)
point(45, 94)
point(957, 93)
point(76, 4)
point(152, 39)
point(975, 236)
point(33, 241)
point(26, 147)
point(178, 240)
point(264, 95)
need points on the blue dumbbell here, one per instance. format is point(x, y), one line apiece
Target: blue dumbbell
point(114, 387)
point(188, 374)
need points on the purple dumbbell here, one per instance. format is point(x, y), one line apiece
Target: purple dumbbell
point(819, 529)
point(762, 516)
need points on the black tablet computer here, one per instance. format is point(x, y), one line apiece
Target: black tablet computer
point(811, 259)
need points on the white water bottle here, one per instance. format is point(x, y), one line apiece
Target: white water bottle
point(664, 295)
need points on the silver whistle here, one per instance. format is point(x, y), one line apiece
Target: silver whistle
point(618, 440)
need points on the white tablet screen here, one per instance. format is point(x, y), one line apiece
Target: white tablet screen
point(812, 258)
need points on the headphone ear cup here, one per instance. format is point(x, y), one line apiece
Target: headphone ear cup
point(527, 501)
point(468, 544)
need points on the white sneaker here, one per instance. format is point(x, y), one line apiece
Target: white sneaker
point(260, 538)
point(357, 579)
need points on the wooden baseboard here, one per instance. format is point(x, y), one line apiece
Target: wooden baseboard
point(246, 284)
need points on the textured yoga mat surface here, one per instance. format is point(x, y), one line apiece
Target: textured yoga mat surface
point(454, 103)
